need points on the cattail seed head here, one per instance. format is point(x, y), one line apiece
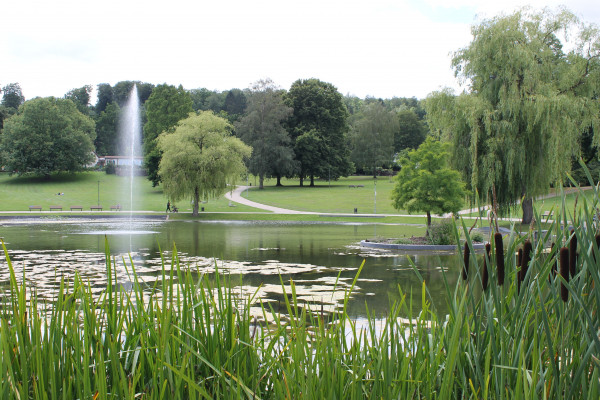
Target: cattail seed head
point(466, 255)
point(527, 248)
point(573, 254)
point(564, 272)
point(485, 276)
point(499, 257)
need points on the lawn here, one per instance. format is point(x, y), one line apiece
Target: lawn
point(329, 197)
point(91, 188)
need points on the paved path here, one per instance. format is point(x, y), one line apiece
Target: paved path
point(236, 195)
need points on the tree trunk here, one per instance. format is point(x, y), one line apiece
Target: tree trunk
point(428, 221)
point(278, 181)
point(196, 203)
point(527, 207)
point(301, 181)
point(312, 180)
point(261, 182)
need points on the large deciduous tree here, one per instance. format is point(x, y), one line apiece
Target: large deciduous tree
point(12, 96)
point(201, 158)
point(107, 122)
point(47, 135)
point(425, 183)
point(531, 96)
point(165, 107)
point(318, 125)
point(372, 138)
point(262, 129)
point(411, 130)
point(81, 97)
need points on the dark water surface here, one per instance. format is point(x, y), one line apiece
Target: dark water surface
point(312, 255)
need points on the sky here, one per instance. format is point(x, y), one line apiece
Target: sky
point(377, 48)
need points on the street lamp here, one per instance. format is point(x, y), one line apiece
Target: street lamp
point(98, 193)
point(375, 186)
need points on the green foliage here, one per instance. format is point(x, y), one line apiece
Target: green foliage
point(529, 102)
point(262, 129)
point(47, 135)
point(318, 126)
point(372, 138)
point(442, 233)
point(107, 122)
point(166, 106)
point(12, 96)
point(201, 159)
point(411, 131)
point(425, 182)
point(81, 98)
point(110, 169)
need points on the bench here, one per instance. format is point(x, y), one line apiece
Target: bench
point(39, 208)
point(547, 214)
point(95, 208)
point(59, 208)
point(115, 207)
point(76, 208)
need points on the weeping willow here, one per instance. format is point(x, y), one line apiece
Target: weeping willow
point(533, 80)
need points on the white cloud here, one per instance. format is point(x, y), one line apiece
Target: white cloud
point(382, 48)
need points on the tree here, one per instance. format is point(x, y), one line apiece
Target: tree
point(47, 135)
point(104, 97)
point(81, 97)
point(107, 140)
point(373, 138)
point(262, 129)
point(319, 116)
point(235, 104)
point(201, 159)
point(122, 89)
point(12, 96)
point(166, 106)
point(425, 182)
point(411, 131)
point(519, 126)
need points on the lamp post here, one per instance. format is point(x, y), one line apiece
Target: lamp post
point(98, 193)
point(375, 186)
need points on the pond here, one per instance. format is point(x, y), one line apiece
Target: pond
point(321, 258)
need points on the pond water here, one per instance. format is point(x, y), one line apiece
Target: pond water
point(321, 258)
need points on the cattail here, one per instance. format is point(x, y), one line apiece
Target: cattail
point(499, 257)
point(519, 260)
point(564, 272)
point(555, 263)
point(485, 277)
point(527, 248)
point(466, 255)
point(573, 254)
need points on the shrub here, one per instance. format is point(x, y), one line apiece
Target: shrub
point(110, 169)
point(442, 233)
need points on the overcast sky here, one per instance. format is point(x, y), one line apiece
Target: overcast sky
point(380, 48)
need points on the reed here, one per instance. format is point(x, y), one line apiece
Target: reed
point(189, 336)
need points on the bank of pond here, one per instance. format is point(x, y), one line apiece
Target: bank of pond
point(176, 327)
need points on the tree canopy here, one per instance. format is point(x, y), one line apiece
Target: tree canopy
point(372, 137)
point(262, 129)
point(517, 129)
point(165, 107)
point(201, 158)
point(318, 126)
point(425, 183)
point(47, 135)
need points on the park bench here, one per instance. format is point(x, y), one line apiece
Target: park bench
point(95, 208)
point(39, 208)
point(76, 208)
point(547, 214)
point(115, 207)
point(59, 208)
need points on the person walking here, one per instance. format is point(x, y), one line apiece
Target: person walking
point(168, 206)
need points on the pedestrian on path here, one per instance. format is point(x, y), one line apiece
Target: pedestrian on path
point(168, 206)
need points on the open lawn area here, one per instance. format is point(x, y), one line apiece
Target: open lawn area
point(87, 189)
point(341, 196)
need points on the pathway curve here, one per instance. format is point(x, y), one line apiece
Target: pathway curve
point(236, 195)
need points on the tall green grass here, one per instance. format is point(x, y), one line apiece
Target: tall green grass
point(190, 336)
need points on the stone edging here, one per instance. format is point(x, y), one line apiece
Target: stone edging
point(424, 247)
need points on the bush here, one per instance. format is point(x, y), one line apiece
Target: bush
point(442, 233)
point(110, 169)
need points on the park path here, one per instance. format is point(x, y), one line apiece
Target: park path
point(236, 195)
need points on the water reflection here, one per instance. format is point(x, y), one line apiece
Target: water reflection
point(321, 259)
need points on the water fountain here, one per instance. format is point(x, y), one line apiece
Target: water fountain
point(131, 141)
